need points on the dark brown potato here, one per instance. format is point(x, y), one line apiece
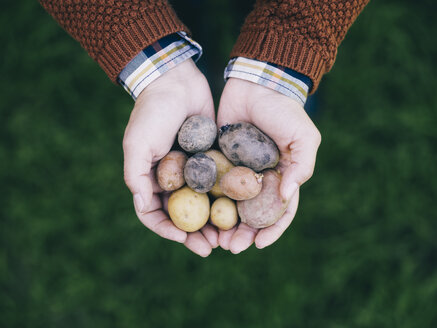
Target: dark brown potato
point(200, 172)
point(266, 208)
point(245, 145)
point(241, 183)
point(197, 134)
point(170, 170)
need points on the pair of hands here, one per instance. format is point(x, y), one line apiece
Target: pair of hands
point(156, 118)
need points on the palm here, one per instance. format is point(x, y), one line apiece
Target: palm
point(285, 121)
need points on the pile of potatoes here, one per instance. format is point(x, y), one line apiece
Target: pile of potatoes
point(240, 179)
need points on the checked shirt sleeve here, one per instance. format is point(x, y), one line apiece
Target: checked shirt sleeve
point(281, 79)
point(157, 59)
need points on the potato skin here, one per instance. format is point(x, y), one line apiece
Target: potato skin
point(245, 145)
point(188, 209)
point(241, 183)
point(197, 134)
point(223, 166)
point(266, 208)
point(170, 170)
point(224, 213)
point(200, 172)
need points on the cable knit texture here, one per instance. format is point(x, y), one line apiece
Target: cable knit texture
point(299, 34)
point(114, 31)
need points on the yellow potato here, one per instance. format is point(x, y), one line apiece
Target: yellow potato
point(223, 166)
point(189, 210)
point(224, 213)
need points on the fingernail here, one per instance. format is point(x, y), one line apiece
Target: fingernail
point(139, 203)
point(291, 190)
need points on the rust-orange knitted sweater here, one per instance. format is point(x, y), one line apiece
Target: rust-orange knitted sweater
point(299, 34)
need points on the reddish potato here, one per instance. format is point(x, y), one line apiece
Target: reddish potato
point(266, 208)
point(223, 166)
point(241, 183)
point(170, 170)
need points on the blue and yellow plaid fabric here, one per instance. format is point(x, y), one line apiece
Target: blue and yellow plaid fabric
point(281, 79)
point(157, 59)
point(173, 49)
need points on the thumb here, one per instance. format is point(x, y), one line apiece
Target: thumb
point(137, 167)
point(303, 159)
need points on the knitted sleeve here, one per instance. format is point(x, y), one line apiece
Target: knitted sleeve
point(299, 34)
point(114, 31)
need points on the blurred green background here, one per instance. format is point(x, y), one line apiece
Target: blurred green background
point(361, 252)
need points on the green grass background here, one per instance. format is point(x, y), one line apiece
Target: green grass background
point(361, 252)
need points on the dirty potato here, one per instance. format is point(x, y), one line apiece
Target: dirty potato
point(170, 170)
point(200, 172)
point(244, 144)
point(224, 213)
point(223, 166)
point(197, 134)
point(266, 208)
point(188, 209)
point(241, 183)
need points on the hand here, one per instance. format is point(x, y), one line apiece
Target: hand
point(159, 112)
point(297, 138)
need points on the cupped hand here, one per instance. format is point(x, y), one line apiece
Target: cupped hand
point(286, 122)
point(159, 112)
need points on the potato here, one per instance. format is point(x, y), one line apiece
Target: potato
point(170, 170)
point(223, 166)
point(224, 213)
point(200, 172)
point(244, 144)
point(266, 208)
point(241, 183)
point(188, 209)
point(197, 134)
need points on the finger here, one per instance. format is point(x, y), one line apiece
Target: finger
point(211, 235)
point(197, 243)
point(225, 237)
point(269, 235)
point(165, 196)
point(303, 159)
point(157, 221)
point(242, 238)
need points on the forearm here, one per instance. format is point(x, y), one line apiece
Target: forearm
point(114, 32)
point(299, 34)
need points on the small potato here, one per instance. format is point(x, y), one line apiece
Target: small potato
point(188, 209)
point(197, 134)
point(224, 213)
point(200, 172)
point(223, 166)
point(266, 208)
point(170, 170)
point(244, 144)
point(241, 183)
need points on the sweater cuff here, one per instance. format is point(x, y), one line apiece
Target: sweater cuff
point(283, 50)
point(157, 59)
point(145, 29)
point(278, 78)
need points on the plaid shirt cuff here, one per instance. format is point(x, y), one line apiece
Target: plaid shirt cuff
point(157, 59)
point(281, 79)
